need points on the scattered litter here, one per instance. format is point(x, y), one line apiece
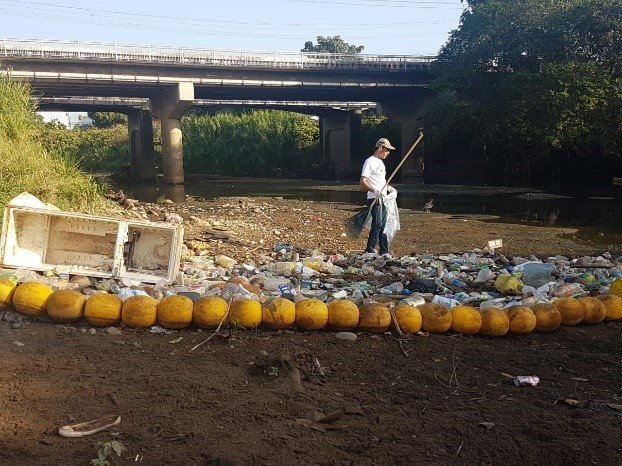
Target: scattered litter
point(487, 425)
point(88, 428)
point(526, 380)
point(176, 340)
point(594, 405)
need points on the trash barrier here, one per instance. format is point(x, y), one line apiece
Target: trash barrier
point(479, 292)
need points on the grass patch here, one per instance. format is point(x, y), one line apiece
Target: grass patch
point(26, 165)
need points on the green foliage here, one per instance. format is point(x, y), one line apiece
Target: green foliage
point(374, 127)
point(524, 84)
point(93, 150)
point(257, 143)
point(107, 119)
point(332, 44)
point(106, 450)
point(25, 165)
point(17, 111)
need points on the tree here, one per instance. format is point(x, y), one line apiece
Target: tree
point(332, 44)
point(526, 83)
point(107, 119)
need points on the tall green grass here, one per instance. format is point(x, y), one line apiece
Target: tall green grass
point(93, 150)
point(257, 143)
point(25, 165)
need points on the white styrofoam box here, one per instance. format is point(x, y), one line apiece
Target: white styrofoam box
point(41, 239)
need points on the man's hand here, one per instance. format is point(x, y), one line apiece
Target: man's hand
point(377, 194)
point(390, 189)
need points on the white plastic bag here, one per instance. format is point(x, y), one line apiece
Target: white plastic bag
point(393, 215)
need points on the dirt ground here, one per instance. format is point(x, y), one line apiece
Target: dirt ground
point(235, 400)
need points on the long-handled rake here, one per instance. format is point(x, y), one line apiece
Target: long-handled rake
point(356, 223)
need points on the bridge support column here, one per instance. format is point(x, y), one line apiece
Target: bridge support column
point(168, 106)
point(408, 113)
point(140, 129)
point(339, 133)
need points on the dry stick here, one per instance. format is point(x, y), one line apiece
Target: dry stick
point(460, 447)
point(453, 374)
point(399, 332)
point(262, 213)
point(217, 328)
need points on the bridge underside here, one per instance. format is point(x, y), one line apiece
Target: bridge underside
point(399, 95)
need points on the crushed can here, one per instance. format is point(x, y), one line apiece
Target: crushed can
point(526, 380)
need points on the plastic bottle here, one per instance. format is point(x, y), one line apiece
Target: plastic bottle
point(281, 267)
point(396, 288)
point(536, 274)
point(450, 280)
point(567, 289)
point(225, 261)
point(444, 301)
point(485, 275)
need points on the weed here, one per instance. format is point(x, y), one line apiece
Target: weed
point(105, 451)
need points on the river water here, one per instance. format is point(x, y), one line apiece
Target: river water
point(596, 213)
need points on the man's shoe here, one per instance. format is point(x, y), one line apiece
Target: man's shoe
point(387, 256)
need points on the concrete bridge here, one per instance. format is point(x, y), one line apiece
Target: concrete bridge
point(173, 79)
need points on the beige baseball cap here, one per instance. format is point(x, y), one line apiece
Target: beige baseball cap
point(384, 142)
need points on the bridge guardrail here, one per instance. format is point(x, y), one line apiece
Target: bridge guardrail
point(58, 49)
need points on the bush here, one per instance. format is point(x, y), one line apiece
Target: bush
point(93, 150)
point(256, 143)
point(25, 165)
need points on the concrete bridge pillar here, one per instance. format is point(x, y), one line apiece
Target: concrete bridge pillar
point(168, 106)
point(339, 133)
point(140, 129)
point(408, 113)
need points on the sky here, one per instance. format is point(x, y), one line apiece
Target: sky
point(389, 27)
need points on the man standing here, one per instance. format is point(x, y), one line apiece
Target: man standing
point(373, 180)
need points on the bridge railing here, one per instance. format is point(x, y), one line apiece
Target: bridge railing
point(102, 51)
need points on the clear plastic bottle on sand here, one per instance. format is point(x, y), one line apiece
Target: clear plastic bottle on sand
point(225, 261)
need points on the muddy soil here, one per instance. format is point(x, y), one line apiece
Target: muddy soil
point(234, 400)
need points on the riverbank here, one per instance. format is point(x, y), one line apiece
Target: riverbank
point(232, 402)
point(248, 227)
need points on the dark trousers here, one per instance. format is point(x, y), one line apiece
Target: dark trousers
point(378, 222)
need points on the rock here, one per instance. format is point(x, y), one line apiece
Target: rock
point(348, 336)
point(113, 331)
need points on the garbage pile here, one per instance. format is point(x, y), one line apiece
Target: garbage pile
point(480, 291)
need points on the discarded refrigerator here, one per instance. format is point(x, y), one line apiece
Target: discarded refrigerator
point(38, 237)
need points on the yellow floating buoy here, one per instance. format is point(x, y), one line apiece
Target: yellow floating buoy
point(66, 305)
point(570, 309)
point(548, 317)
point(311, 314)
point(466, 320)
point(245, 313)
point(374, 318)
point(278, 313)
point(7, 288)
point(408, 318)
point(103, 310)
point(31, 298)
point(435, 318)
point(343, 315)
point(139, 311)
point(495, 322)
point(175, 312)
point(613, 304)
point(616, 288)
point(595, 310)
point(522, 320)
point(209, 311)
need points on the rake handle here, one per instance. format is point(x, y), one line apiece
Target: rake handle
point(412, 148)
